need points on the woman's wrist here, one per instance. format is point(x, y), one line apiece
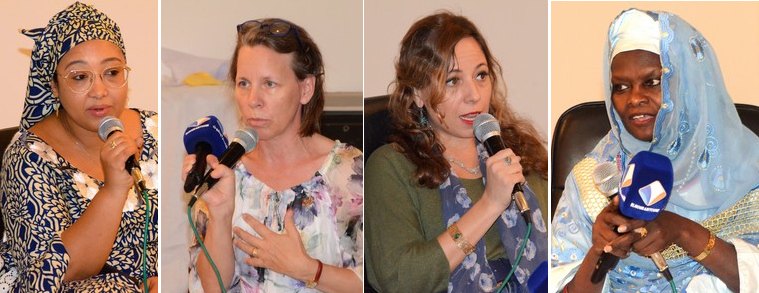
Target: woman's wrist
point(114, 190)
point(309, 270)
point(492, 206)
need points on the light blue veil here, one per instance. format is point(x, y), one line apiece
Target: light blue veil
point(715, 157)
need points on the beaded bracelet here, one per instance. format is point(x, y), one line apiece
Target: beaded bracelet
point(708, 249)
point(460, 240)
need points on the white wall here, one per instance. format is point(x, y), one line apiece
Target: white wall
point(516, 32)
point(207, 29)
point(138, 21)
point(578, 35)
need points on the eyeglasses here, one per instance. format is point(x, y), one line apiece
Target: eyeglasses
point(278, 28)
point(80, 81)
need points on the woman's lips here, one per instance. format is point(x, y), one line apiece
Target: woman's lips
point(468, 118)
point(642, 119)
point(99, 111)
point(254, 122)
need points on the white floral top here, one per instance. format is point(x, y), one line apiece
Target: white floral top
point(43, 194)
point(330, 220)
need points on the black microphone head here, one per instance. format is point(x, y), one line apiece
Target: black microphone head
point(486, 126)
point(108, 126)
point(247, 137)
point(606, 177)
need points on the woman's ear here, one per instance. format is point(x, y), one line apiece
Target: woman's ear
point(54, 88)
point(306, 89)
point(418, 99)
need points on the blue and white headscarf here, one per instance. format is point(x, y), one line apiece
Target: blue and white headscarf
point(76, 24)
point(715, 157)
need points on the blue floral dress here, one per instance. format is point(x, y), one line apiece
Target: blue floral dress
point(43, 195)
point(330, 220)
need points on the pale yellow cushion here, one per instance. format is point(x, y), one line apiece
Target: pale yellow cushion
point(201, 78)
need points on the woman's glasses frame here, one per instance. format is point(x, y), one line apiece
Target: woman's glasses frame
point(74, 76)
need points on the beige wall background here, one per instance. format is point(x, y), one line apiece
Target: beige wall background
point(138, 21)
point(516, 32)
point(578, 35)
point(207, 29)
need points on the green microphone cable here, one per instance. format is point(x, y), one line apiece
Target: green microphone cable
point(205, 251)
point(519, 258)
point(145, 242)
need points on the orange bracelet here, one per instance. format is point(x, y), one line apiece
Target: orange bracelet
point(312, 284)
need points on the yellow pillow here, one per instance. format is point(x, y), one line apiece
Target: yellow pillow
point(201, 78)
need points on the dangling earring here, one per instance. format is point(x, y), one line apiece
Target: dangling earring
point(422, 118)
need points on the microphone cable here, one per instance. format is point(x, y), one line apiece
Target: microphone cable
point(145, 241)
point(205, 251)
point(519, 257)
point(672, 284)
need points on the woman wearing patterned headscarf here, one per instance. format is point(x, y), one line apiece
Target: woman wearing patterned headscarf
point(73, 218)
point(665, 94)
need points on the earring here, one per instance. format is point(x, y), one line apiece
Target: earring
point(423, 118)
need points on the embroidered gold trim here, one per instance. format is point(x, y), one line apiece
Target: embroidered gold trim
point(592, 199)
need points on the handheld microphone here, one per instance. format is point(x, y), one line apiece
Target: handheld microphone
point(606, 178)
point(203, 137)
point(245, 140)
point(645, 191)
point(488, 131)
point(107, 127)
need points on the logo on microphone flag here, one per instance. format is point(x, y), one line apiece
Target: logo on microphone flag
point(624, 186)
point(652, 193)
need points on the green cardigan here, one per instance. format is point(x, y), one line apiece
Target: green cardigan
point(403, 220)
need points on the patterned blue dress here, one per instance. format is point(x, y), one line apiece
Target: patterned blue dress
point(43, 195)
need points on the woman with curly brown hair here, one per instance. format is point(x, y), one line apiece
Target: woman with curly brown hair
point(434, 222)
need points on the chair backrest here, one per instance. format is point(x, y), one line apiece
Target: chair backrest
point(581, 127)
point(6, 134)
point(376, 124)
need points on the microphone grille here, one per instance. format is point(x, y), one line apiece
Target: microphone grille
point(247, 137)
point(109, 125)
point(485, 126)
point(606, 177)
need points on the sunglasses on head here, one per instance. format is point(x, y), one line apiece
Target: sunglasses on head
point(278, 28)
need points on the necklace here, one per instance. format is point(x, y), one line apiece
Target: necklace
point(473, 171)
point(76, 141)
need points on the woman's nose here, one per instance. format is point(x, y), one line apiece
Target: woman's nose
point(638, 96)
point(98, 88)
point(471, 92)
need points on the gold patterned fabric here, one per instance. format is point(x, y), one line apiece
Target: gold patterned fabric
point(592, 199)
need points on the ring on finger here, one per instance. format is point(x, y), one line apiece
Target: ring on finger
point(113, 144)
point(254, 252)
point(643, 232)
point(507, 160)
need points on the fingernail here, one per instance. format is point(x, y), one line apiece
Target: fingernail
point(622, 229)
point(607, 248)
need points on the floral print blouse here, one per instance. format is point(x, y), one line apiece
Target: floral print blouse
point(330, 220)
point(43, 195)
